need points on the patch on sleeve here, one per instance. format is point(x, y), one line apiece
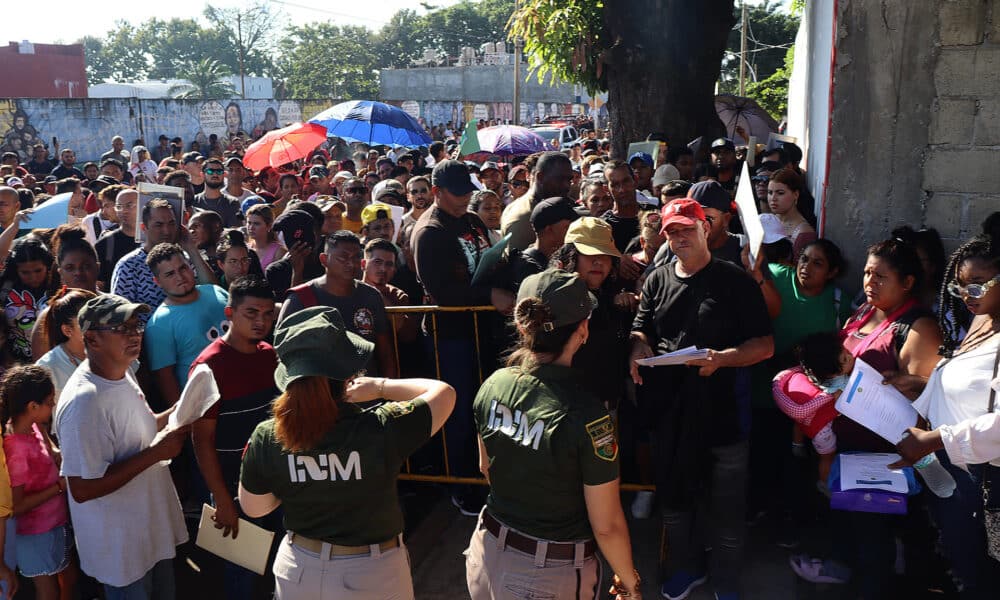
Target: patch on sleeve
point(602, 437)
point(394, 410)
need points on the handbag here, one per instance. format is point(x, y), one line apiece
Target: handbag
point(991, 514)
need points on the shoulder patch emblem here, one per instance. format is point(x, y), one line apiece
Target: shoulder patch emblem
point(602, 437)
point(397, 409)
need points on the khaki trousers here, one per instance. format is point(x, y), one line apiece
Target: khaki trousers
point(496, 573)
point(302, 575)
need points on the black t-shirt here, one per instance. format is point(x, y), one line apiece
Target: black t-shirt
point(622, 228)
point(279, 274)
point(718, 307)
point(227, 207)
point(111, 247)
point(62, 172)
point(39, 169)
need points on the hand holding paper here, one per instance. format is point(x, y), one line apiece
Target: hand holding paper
point(880, 408)
point(677, 357)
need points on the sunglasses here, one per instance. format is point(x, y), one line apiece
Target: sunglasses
point(123, 329)
point(356, 190)
point(213, 171)
point(973, 290)
point(519, 184)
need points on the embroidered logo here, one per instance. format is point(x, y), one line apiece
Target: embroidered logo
point(602, 437)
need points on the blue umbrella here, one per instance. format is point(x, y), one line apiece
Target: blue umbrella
point(372, 123)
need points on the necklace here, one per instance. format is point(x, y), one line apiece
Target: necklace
point(976, 338)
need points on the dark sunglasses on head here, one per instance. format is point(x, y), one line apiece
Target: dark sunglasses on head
point(213, 171)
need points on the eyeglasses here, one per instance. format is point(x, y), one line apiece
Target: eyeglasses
point(123, 329)
point(973, 290)
point(213, 171)
point(238, 261)
point(519, 184)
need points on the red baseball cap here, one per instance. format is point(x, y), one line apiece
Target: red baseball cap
point(682, 210)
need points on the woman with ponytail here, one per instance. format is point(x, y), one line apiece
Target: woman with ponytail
point(549, 450)
point(960, 405)
point(332, 465)
point(61, 332)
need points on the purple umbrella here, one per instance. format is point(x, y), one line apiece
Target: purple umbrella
point(510, 140)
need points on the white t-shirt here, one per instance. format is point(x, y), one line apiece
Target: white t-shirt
point(122, 535)
point(62, 365)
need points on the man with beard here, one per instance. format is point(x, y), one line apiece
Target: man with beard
point(132, 277)
point(236, 371)
point(492, 177)
point(214, 198)
point(67, 158)
point(39, 165)
point(418, 192)
point(235, 174)
point(552, 176)
point(724, 159)
point(179, 329)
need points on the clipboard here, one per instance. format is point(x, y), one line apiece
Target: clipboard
point(250, 550)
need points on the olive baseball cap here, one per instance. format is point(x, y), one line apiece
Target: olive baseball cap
point(565, 294)
point(108, 309)
point(315, 342)
point(592, 237)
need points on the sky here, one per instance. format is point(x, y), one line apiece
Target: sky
point(71, 19)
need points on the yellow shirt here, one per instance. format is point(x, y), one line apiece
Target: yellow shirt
point(6, 497)
point(353, 226)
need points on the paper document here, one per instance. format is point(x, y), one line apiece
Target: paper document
point(677, 357)
point(880, 408)
point(868, 471)
point(746, 205)
point(248, 550)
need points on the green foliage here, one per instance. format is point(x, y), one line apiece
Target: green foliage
point(770, 33)
point(204, 77)
point(320, 60)
point(116, 57)
point(563, 39)
point(772, 93)
point(445, 30)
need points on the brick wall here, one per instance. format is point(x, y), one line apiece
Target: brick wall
point(961, 173)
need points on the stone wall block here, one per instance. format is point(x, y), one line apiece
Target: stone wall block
point(963, 22)
point(944, 213)
point(970, 171)
point(988, 123)
point(952, 121)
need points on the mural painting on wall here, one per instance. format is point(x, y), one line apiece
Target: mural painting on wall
point(19, 135)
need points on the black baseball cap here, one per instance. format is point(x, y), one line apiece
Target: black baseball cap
point(552, 210)
point(490, 165)
point(453, 176)
point(723, 143)
point(296, 226)
point(711, 194)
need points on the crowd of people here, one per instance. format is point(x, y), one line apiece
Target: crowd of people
point(269, 303)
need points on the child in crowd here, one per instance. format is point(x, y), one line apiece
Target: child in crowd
point(26, 279)
point(44, 539)
point(807, 393)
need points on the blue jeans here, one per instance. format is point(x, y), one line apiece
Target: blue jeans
point(959, 520)
point(156, 584)
point(238, 582)
point(726, 504)
point(459, 368)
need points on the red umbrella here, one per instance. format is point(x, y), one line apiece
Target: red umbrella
point(284, 145)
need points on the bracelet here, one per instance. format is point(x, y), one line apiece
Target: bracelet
point(381, 388)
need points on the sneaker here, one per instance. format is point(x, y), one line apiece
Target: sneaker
point(680, 585)
point(818, 570)
point(466, 504)
point(642, 506)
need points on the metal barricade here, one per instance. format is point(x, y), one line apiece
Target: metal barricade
point(397, 312)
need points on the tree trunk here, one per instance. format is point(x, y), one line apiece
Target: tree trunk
point(663, 68)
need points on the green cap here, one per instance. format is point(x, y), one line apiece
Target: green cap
point(108, 309)
point(315, 342)
point(564, 293)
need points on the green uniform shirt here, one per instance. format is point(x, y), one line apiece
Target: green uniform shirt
point(547, 436)
point(344, 490)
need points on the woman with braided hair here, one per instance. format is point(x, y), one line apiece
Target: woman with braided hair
point(549, 450)
point(960, 405)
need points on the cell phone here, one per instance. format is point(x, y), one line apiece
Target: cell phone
point(55, 141)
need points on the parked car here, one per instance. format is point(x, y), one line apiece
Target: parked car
point(559, 137)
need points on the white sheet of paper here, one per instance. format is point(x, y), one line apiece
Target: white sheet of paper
point(869, 471)
point(746, 204)
point(677, 357)
point(397, 220)
point(249, 549)
point(880, 408)
point(197, 397)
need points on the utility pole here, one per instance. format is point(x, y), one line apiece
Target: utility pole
point(743, 49)
point(239, 34)
point(516, 113)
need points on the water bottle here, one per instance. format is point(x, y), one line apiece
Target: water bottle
point(935, 476)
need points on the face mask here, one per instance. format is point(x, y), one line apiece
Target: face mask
point(834, 384)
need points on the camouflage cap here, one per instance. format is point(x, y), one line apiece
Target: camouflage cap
point(108, 309)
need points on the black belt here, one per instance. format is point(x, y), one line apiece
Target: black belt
point(528, 545)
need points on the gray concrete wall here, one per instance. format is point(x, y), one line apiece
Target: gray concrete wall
point(483, 83)
point(915, 128)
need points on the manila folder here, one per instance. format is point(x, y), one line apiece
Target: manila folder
point(249, 550)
